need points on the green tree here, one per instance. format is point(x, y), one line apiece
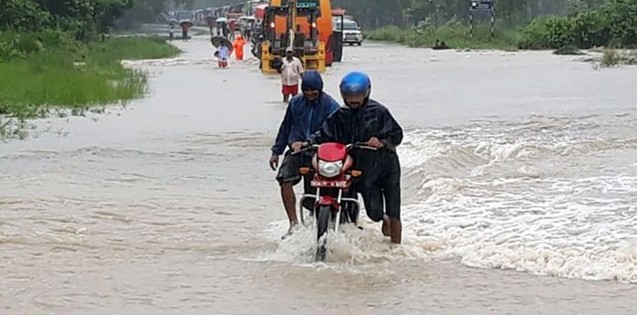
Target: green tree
point(106, 12)
point(22, 15)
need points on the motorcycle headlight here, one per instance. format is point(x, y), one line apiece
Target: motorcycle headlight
point(330, 169)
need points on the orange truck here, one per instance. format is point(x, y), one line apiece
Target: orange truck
point(304, 25)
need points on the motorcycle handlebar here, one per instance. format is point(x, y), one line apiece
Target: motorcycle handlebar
point(358, 145)
point(361, 145)
point(305, 148)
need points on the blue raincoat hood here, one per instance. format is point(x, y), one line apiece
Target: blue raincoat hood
point(312, 81)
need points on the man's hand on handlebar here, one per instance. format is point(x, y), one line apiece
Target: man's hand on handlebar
point(375, 143)
point(361, 145)
point(297, 146)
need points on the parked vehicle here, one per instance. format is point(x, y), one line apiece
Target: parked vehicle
point(352, 33)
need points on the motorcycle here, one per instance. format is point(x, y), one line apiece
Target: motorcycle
point(334, 202)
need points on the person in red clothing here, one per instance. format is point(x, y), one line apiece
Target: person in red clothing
point(184, 31)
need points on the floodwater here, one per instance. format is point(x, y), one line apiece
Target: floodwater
point(519, 194)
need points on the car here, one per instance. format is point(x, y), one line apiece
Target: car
point(352, 33)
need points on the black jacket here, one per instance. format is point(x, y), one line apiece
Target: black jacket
point(347, 125)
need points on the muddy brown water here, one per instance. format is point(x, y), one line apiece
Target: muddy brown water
point(519, 184)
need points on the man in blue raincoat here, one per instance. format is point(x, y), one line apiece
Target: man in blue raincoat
point(304, 116)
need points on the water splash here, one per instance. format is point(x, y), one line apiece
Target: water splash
point(350, 248)
point(550, 195)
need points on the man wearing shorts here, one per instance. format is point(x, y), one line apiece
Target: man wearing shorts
point(291, 72)
point(304, 116)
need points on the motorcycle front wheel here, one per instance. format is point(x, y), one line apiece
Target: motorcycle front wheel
point(323, 217)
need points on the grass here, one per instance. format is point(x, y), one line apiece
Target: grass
point(131, 48)
point(610, 58)
point(614, 57)
point(77, 78)
point(455, 35)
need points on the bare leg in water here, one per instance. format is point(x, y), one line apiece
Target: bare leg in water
point(289, 202)
point(392, 228)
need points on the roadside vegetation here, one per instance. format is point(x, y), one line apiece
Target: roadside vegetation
point(610, 24)
point(70, 74)
point(614, 57)
point(60, 55)
point(454, 35)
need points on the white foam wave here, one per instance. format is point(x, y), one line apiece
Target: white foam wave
point(571, 262)
point(549, 196)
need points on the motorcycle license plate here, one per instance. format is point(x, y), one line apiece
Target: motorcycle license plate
point(325, 183)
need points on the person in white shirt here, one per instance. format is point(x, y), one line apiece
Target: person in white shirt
point(291, 72)
point(224, 54)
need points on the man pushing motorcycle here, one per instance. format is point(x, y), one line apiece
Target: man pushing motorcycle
point(305, 114)
point(365, 120)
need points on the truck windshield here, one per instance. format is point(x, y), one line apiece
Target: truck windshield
point(347, 25)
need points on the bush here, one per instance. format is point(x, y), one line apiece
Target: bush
point(622, 15)
point(611, 58)
point(591, 29)
point(548, 32)
point(388, 33)
point(613, 24)
point(454, 34)
point(19, 45)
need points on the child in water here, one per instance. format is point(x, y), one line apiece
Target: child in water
point(222, 54)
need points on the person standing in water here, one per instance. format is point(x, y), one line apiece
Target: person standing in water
point(238, 47)
point(291, 72)
point(184, 31)
point(224, 54)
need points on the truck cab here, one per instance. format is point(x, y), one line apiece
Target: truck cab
point(304, 25)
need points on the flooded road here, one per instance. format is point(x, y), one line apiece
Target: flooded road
point(519, 185)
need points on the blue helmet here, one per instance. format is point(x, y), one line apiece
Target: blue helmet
point(312, 81)
point(356, 83)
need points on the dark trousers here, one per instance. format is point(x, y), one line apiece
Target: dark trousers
point(380, 184)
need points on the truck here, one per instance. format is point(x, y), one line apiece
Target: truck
point(304, 25)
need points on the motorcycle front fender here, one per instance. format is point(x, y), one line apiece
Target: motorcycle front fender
point(326, 200)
